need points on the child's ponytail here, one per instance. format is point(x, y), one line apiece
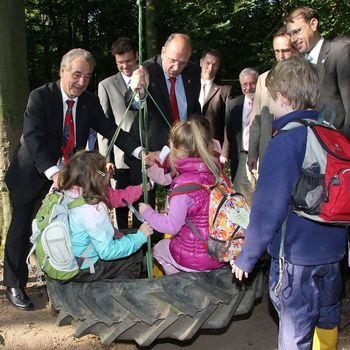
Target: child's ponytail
point(194, 138)
point(204, 144)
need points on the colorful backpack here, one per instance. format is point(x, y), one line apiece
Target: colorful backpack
point(228, 218)
point(51, 238)
point(322, 192)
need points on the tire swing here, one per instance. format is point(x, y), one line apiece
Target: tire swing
point(175, 306)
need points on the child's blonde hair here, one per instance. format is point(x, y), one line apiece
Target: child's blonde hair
point(296, 79)
point(86, 169)
point(193, 138)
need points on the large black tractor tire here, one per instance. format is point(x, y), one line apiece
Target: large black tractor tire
point(174, 306)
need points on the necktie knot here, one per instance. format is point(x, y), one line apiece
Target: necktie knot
point(70, 104)
point(172, 81)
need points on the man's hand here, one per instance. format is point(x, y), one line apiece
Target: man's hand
point(252, 164)
point(54, 178)
point(139, 80)
point(238, 272)
point(143, 207)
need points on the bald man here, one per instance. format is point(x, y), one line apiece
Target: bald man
point(171, 67)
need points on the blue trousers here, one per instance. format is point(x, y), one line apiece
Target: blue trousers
point(309, 297)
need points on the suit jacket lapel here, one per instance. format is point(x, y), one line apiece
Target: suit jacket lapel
point(164, 89)
point(187, 81)
point(214, 89)
point(237, 121)
point(120, 83)
point(81, 117)
point(323, 56)
point(58, 111)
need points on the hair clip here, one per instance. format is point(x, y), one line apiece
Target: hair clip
point(101, 173)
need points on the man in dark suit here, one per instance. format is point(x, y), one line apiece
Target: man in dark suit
point(238, 121)
point(334, 58)
point(171, 67)
point(37, 158)
point(213, 95)
point(111, 92)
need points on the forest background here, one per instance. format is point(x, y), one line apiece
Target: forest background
point(36, 33)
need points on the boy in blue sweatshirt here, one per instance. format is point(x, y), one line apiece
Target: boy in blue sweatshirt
point(311, 285)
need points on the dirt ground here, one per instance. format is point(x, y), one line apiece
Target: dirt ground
point(33, 330)
point(26, 330)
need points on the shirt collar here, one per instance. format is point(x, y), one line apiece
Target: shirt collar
point(279, 123)
point(167, 77)
point(207, 82)
point(65, 97)
point(315, 52)
point(247, 100)
point(126, 79)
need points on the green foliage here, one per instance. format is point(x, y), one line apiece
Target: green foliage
point(56, 26)
point(241, 29)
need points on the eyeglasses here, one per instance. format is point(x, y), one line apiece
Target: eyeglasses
point(173, 61)
point(297, 32)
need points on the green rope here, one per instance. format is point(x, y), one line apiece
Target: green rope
point(161, 113)
point(116, 133)
point(139, 3)
point(144, 143)
point(143, 122)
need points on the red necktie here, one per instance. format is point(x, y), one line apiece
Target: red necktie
point(68, 133)
point(173, 101)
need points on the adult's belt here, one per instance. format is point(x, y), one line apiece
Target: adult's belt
point(245, 152)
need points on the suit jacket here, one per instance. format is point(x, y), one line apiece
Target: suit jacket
point(40, 144)
point(111, 92)
point(234, 111)
point(214, 109)
point(261, 128)
point(157, 128)
point(334, 58)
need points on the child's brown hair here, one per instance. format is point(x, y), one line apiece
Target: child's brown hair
point(86, 169)
point(296, 79)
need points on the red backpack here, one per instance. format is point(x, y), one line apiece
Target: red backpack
point(322, 193)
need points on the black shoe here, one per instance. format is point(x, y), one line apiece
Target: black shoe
point(18, 297)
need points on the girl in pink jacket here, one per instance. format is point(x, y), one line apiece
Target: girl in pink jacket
point(193, 159)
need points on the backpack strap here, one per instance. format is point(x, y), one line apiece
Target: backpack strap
point(77, 202)
point(281, 260)
point(194, 229)
point(188, 188)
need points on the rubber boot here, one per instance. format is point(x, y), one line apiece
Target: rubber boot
point(325, 339)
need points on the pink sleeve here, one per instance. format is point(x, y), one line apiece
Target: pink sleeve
point(130, 194)
point(157, 174)
point(172, 222)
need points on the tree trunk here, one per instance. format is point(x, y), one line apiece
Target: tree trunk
point(151, 29)
point(13, 93)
